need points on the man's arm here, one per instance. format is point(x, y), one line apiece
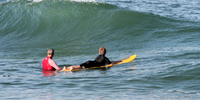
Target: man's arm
point(53, 63)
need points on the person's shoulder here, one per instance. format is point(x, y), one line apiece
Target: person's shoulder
point(51, 60)
point(44, 58)
point(105, 57)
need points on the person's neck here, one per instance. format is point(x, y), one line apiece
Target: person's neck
point(50, 56)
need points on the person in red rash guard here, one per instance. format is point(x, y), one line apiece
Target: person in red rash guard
point(48, 63)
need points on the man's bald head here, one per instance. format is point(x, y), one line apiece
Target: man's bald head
point(50, 52)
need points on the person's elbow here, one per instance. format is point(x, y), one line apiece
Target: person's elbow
point(58, 68)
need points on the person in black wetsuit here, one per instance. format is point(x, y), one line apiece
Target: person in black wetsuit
point(100, 60)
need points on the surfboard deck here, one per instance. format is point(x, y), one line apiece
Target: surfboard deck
point(126, 60)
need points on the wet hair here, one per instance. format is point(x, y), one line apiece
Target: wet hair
point(102, 51)
point(50, 52)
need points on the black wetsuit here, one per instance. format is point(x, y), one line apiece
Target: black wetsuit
point(100, 60)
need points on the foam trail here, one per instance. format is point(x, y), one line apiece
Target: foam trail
point(83, 0)
point(37, 0)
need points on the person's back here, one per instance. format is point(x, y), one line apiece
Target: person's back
point(46, 65)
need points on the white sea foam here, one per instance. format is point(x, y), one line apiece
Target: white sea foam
point(37, 0)
point(83, 0)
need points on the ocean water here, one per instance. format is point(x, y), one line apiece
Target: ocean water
point(164, 35)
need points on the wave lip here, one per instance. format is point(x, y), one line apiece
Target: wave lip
point(179, 9)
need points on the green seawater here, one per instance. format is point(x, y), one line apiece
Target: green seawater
point(168, 52)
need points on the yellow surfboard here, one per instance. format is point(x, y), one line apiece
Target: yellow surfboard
point(126, 60)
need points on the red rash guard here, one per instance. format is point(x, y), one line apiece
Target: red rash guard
point(46, 65)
